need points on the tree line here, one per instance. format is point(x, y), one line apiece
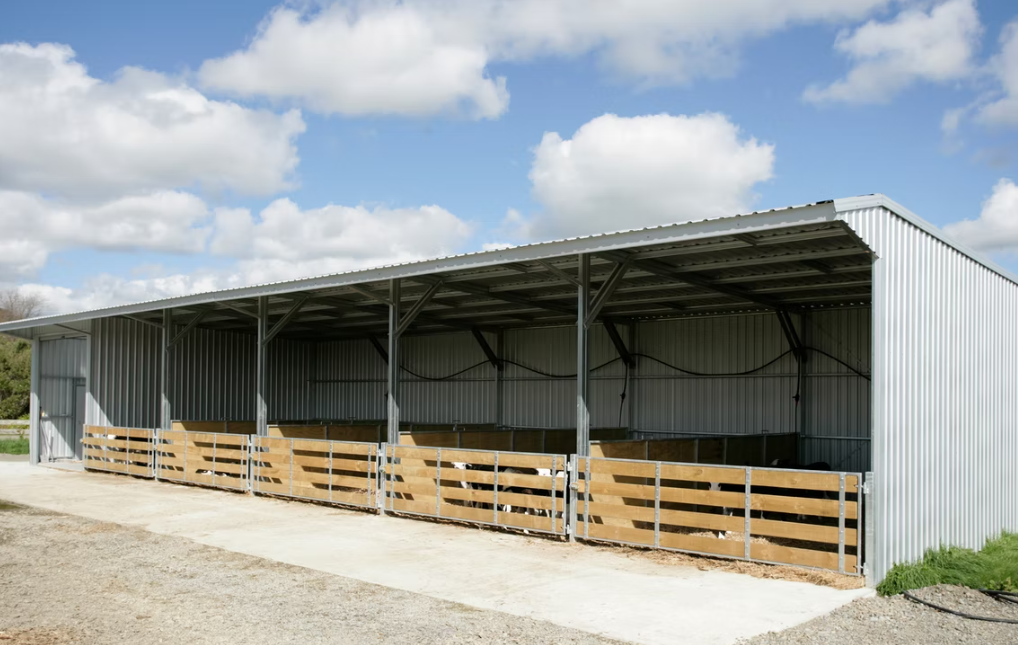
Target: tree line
point(16, 355)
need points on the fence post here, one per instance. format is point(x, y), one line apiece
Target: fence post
point(381, 455)
point(438, 482)
point(870, 529)
point(841, 523)
point(570, 496)
point(154, 461)
point(746, 520)
point(249, 445)
point(657, 504)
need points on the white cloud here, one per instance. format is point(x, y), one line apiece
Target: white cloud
point(342, 235)
point(66, 132)
point(389, 60)
point(934, 46)
point(423, 57)
point(997, 226)
point(34, 227)
point(621, 173)
point(1004, 110)
point(282, 243)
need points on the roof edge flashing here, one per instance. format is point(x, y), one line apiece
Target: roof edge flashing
point(879, 200)
point(682, 232)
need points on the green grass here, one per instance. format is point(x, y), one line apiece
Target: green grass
point(14, 446)
point(995, 567)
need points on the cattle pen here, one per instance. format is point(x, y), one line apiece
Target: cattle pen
point(829, 385)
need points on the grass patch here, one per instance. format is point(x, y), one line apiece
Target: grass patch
point(14, 446)
point(995, 567)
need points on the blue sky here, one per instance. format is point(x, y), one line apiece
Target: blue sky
point(382, 161)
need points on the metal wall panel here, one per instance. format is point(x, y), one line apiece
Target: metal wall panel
point(535, 400)
point(63, 367)
point(836, 401)
point(212, 377)
point(350, 380)
point(945, 414)
point(670, 401)
point(126, 359)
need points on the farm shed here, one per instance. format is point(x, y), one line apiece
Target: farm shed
point(852, 326)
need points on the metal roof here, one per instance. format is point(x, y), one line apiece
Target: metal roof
point(794, 258)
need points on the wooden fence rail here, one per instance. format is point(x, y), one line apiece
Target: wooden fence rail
point(805, 518)
point(508, 489)
point(338, 472)
point(770, 515)
point(119, 450)
point(209, 459)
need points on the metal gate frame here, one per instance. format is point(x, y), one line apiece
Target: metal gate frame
point(387, 493)
point(371, 479)
point(861, 519)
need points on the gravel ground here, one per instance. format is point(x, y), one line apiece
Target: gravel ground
point(66, 579)
point(875, 621)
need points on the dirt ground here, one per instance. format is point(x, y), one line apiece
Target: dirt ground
point(875, 621)
point(69, 580)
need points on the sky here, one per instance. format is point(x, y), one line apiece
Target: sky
point(150, 150)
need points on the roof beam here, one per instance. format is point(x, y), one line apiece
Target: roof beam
point(606, 290)
point(143, 320)
point(370, 294)
point(287, 317)
point(665, 270)
point(620, 346)
point(239, 309)
point(415, 310)
point(477, 290)
point(486, 348)
point(559, 272)
point(188, 327)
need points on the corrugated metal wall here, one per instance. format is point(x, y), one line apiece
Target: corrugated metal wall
point(125, 372)
point(212, 375)
point(669, 401)
point(945, 414)
point(535, 400)
point(356, 383)
point(63, 367)
point(836, 400)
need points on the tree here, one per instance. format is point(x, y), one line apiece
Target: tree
point(16, 354)
point(17, 305)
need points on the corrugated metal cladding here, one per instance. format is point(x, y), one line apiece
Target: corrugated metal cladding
point(670, 401)
point(63, 366)
point(212, 375)
point(125, 372)
point(536, 400)
point(351, 380)
point(945, 414)
point(836, 401)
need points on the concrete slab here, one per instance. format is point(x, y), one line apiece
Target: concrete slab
point(577, 586)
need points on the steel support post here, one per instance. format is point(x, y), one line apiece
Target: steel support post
point(500, 382)
point(34, 427)
point(394, 361)
point(165, 413)
point(583, 359)
point(261, 404)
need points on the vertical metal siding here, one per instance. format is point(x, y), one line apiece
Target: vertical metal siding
point(466, 398)
point(836, 400)
point(670, 401)
point(945, 414)
point(125, 372)
point(349, 381)
point(534, 400)
point(62, 365)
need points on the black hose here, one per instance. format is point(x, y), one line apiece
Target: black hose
point(692, 373)
point(989, 619)
point(1003, 596)
point(837, 360)
point(440, 378)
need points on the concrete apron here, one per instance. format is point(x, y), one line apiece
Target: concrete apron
point(577, 586)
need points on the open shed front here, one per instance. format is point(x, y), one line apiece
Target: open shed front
point(668, 394)
point(652, 387)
